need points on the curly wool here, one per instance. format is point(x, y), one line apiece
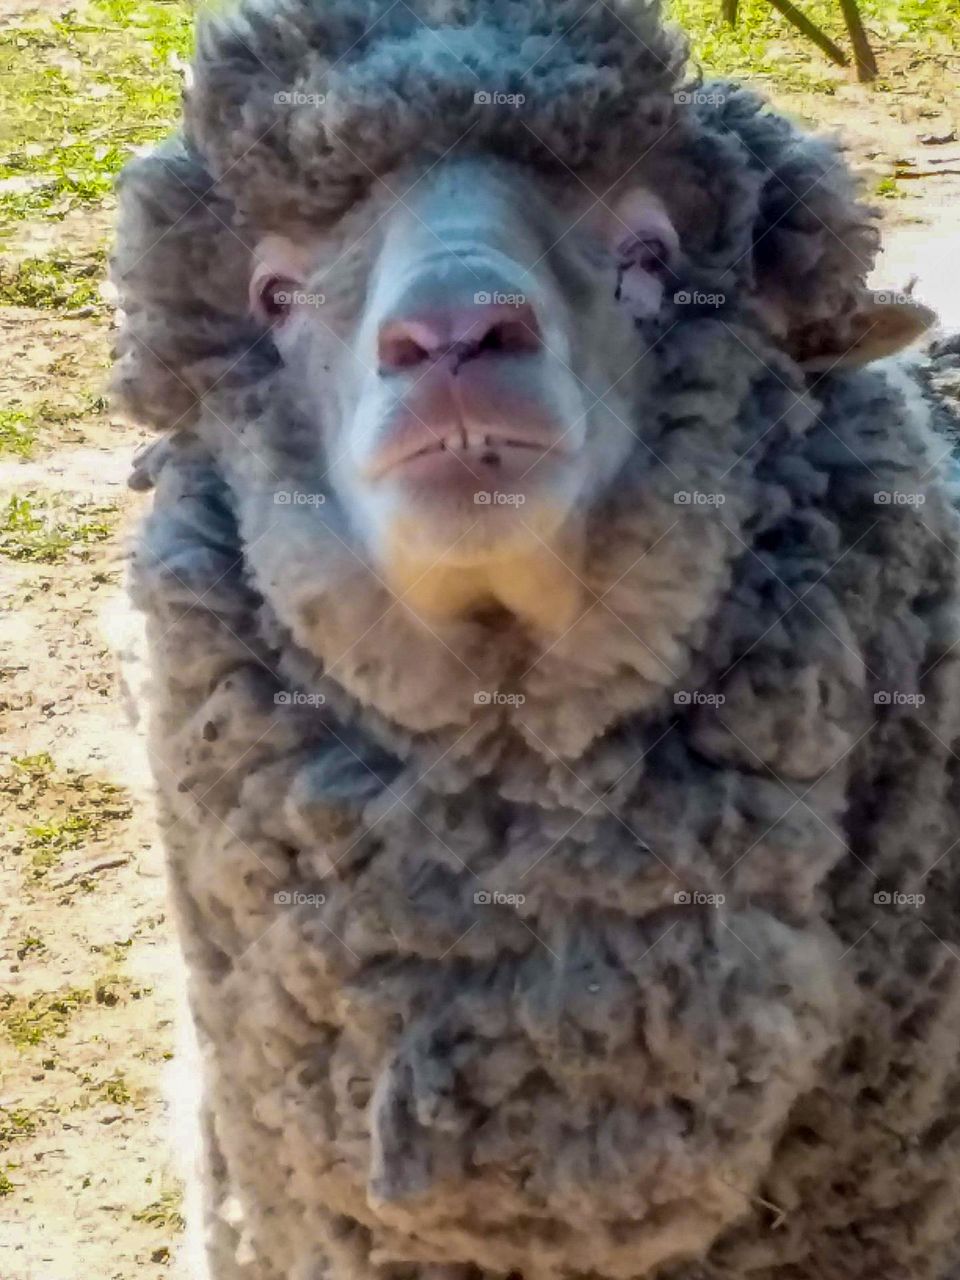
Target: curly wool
point(455, 1017)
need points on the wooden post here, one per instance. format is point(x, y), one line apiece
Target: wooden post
point(866, 62)
point(811, 31)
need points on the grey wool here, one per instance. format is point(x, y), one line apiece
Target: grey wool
point(649, 968)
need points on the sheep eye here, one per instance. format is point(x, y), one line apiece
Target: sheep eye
point(650, 254)
point(276, 297)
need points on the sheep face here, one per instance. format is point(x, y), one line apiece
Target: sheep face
point(463, 361)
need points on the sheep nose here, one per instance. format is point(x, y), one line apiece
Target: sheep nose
point(481, 330)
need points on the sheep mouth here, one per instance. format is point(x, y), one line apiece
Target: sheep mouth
point(476, 450)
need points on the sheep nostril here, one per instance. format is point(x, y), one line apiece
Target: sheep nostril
point(511, 335)
point(466, 333)
point(400, 351)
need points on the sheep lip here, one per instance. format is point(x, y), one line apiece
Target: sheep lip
point(472, 447)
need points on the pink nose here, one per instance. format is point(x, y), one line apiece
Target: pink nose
point(466, 332)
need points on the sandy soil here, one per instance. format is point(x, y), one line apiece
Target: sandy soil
point(88, 1179)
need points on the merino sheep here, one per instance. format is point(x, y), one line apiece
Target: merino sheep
point(553, 622)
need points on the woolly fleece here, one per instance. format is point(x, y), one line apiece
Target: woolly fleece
point(508, 1031)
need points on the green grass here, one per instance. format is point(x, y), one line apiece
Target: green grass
point(35, 1020)
point(29, 945)
point(67, 811)
point(55, 283)
point(30, 1022)
point(764, 46)
point(18, 432)
point(80, 93)
point(49, 841)
point(45, 535)
point(15, 1124)
point(21, 427)
point(115, 1090)
point(165, 1212)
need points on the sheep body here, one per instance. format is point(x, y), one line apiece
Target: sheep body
point(591, 979)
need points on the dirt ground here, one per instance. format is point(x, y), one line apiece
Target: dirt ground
point(89, 1181)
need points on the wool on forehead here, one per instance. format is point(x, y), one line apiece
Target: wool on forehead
point(300, 106)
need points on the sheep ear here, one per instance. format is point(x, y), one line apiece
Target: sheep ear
point(642, 237)
point(879, 325)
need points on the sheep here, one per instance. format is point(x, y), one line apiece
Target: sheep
point(552, 605)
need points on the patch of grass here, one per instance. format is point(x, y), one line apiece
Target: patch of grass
point(764, 46)
point(32, 944)
point(21, 426)
point(16, 1124)
point(67, 811)
point(48, 841)
point(7, 1188)
point(115, 951)
point(31, 1022)
point(889, 189)
point(165, 1212)
point(18, 432)
point(54, 283)
point(115, 1090)
point(31, 769)
point(81, 92)
point(39, 535)
point(114, 988)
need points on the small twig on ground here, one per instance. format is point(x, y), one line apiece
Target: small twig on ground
point(82, 870)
